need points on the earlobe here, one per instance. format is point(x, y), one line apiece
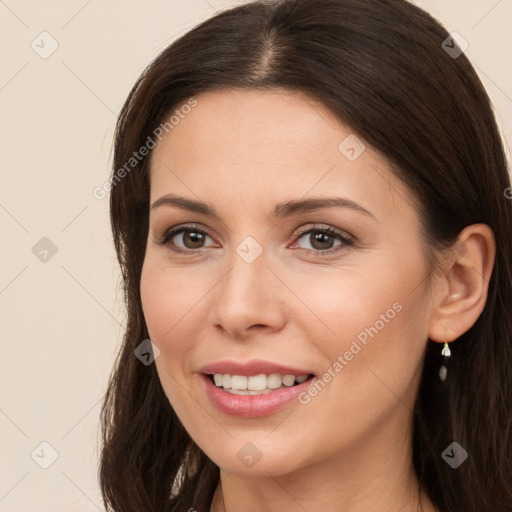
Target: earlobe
point(464, 283)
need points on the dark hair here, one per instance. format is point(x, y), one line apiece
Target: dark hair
point(381, 68)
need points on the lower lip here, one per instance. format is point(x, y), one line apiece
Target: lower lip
point(252, 406)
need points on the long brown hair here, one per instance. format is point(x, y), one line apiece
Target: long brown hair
point(384, 68)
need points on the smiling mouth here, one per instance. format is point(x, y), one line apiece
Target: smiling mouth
point(256, 384)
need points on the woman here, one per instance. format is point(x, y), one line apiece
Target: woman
point(309, 210)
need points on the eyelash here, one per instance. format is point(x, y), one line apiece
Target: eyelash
point(168, 235)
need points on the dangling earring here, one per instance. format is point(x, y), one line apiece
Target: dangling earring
point(446, 353)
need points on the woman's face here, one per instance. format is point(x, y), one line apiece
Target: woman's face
point(349, 307)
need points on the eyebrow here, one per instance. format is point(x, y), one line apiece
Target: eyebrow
point(281, 210)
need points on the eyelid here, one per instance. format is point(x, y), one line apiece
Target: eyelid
point(328, 228)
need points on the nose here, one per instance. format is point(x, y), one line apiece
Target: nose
point(249, 299)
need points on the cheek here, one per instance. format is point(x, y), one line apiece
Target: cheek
point(350, 303)
point(169, 299)
point(167, 303)
point(156, 307)
point(368, 325)
point(382, 355)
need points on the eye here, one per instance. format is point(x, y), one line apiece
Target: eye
point(192, 238)
point(322, 239)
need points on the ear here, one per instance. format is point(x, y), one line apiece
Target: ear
point(461, 289)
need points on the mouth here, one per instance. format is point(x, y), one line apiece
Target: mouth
point(273, 392)
point(256, 384)
point(254, 388)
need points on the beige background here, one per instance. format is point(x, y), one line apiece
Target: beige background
point(61, 320)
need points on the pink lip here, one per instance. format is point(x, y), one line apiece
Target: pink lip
point(252, 406)
point(254, 367)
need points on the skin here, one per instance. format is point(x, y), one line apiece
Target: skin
point(348, 449)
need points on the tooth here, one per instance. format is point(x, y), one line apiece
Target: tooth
point(239, 382)
point(274, 381)
point(289, 380)
point(247, 392)
point(237, 392)
point(257, 382)
point(226, 380)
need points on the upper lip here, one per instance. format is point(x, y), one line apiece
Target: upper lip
point(253, 367)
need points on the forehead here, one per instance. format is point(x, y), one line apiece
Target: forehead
point(239, 146)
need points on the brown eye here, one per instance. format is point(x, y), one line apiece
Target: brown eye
point(191, 239)
point(322, 240)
